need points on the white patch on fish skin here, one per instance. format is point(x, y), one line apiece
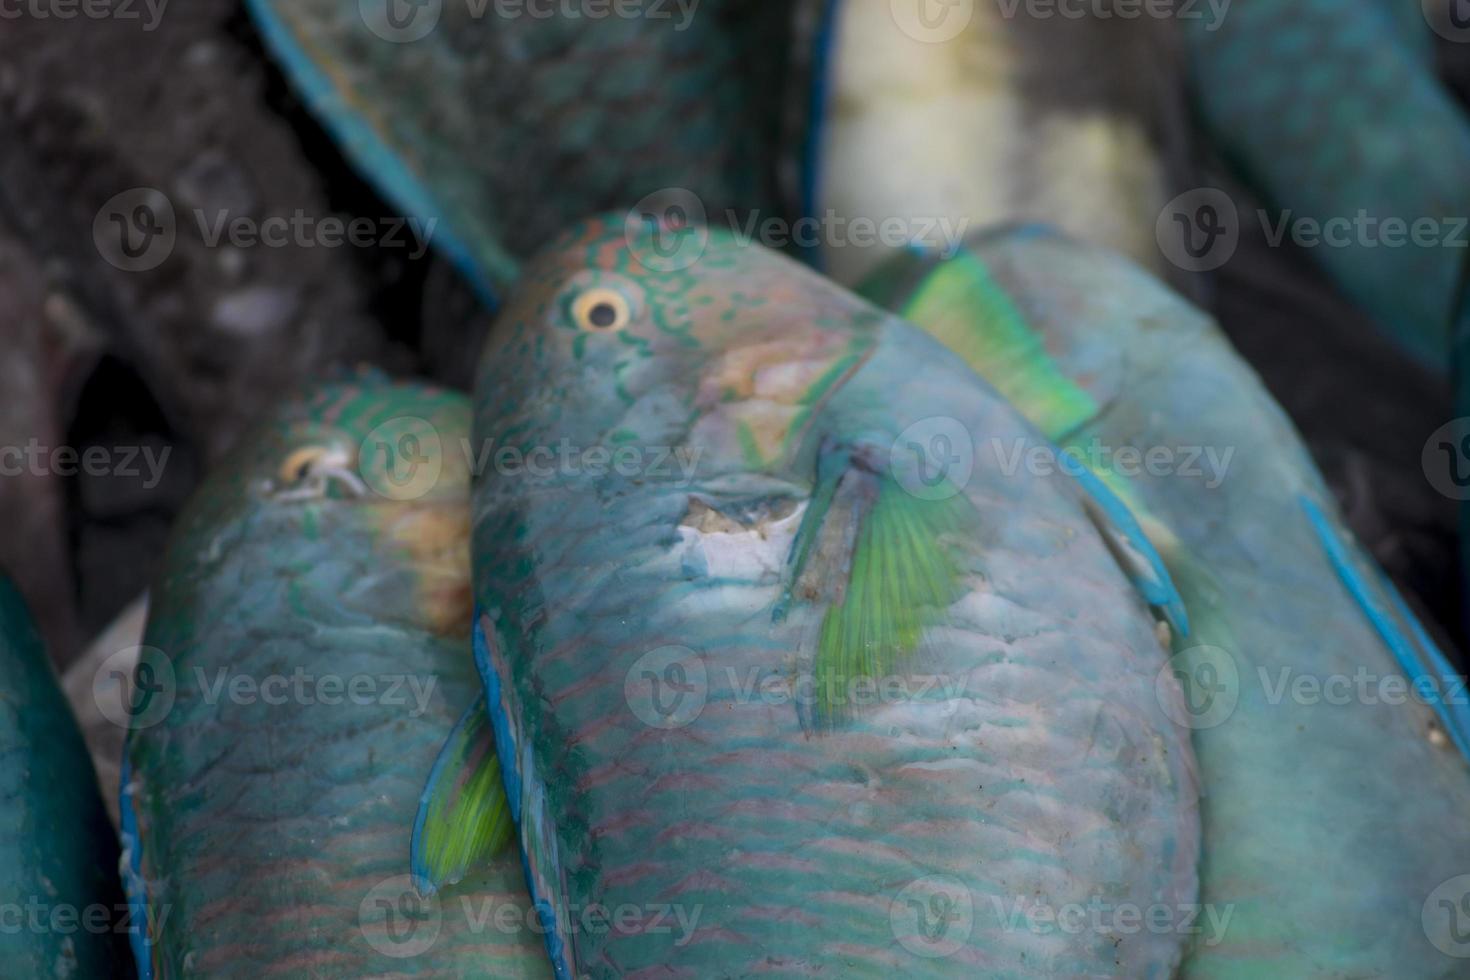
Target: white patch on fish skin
point(727, 549)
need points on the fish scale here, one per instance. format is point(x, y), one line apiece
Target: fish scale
point(267, 831)
point(1045, 771)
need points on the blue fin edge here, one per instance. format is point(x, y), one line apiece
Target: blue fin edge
point(507, 747)
point(821, 87)
point(1457, 722)
point(134, 887)
point(1162, 593)
point(362, 145)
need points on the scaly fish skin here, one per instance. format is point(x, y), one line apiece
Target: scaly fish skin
point(309, 655)
point(1333, 809)
point(654, 641)
point(61, 912)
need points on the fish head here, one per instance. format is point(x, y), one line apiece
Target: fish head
point(362, 472)
point(626, 332)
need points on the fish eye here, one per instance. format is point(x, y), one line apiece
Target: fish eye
point(601, 310)
point(300, 463)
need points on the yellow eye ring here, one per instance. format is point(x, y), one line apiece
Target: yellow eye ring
point(299, 464)
point(601, 310)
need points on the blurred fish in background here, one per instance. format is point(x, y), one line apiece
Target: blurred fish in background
point(988, 112)
point(1354, 153)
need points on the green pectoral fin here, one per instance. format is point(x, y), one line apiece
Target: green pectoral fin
point(463, 817)
point(882, 561)
point(960, 304)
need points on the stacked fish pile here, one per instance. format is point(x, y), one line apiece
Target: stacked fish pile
point(860, 552)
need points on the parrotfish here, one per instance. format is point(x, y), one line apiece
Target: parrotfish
point(1332, 111)
point(61, 909)
point(306, 654)
point(933, 118)
point(1330, 730)
point(502, 122)
point(789, 674)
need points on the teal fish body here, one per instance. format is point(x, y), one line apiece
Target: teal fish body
point(931, 119)
point(776, 668)
point(501, 123)
point(62, 903)
point(1333, 112)
point(1333, 797)
point(306, 654)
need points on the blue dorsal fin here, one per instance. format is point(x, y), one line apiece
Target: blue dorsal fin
point(824, 41)
point(540, 856)
point(1132, 548)
point(134, 887)
point(463, 817)
point(1454, 717)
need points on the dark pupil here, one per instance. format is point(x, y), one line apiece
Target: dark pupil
point(603, 315)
